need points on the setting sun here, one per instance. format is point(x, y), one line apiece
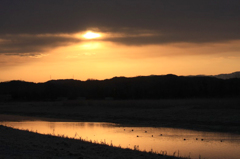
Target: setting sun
point(91, 35)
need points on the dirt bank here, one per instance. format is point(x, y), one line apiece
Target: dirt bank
point(23, 144)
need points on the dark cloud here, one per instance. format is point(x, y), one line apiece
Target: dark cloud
point(32, 44)
point(173, 38)
point(170, 21)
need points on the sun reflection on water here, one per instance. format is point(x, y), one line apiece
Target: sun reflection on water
point(161, 140)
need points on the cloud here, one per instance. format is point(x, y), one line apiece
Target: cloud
point(168, 38)
point(30, 45)
point(167, 21)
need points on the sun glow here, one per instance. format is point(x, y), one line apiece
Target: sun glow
point(91, 35)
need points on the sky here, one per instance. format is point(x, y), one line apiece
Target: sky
point(42, 40)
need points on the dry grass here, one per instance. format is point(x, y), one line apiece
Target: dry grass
point(23, 144)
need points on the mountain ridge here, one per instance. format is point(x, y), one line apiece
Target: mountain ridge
point(228, 75)
point(140, 87)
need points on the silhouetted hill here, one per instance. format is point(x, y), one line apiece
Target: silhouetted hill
point(142, 87)
point(228, 76)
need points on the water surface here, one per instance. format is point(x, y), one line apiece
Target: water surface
point(170, 141)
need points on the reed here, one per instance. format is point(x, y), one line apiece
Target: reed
point(136, 147)
point(103, 142)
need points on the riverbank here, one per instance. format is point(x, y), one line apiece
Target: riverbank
point(24, 144)
point(220, 115)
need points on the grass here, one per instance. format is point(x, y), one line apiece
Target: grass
point(25, 144)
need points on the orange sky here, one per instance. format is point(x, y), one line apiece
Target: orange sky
point(62, 39)
point(98, 59)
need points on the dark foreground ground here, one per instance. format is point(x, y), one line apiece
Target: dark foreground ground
point(17, 144)
point(221, 115)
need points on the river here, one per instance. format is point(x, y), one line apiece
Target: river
point(170, 141)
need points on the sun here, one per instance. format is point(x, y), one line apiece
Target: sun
point(91, 35)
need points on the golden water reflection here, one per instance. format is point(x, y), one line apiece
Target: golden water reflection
point(173, 141)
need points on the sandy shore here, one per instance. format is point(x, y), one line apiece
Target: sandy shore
point(23, 144)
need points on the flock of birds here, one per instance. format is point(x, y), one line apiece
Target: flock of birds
point(183, 139)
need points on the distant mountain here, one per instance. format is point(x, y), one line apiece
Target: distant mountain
point(228, 76)
point(141, 87)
